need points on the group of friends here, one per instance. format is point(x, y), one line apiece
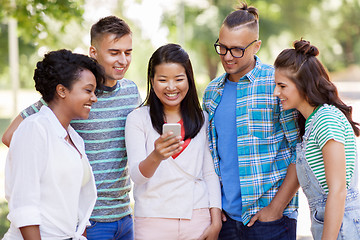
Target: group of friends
point(262, 132)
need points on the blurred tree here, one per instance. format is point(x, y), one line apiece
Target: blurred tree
point(347, 31)
point(333, 26)
point(330, 25)
point(202, 24)
point(40, 23)
point(201, 31)
point(35, 16)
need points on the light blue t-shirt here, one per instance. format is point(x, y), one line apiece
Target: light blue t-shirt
point(225, 124)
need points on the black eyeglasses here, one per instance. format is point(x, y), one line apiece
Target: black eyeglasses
point(236, 52)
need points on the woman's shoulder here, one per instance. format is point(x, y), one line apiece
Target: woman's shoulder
point(330, 112)
point(331, 117)
point(38, 118)
point(142, 110)
point(33, 127)
point(140, 113)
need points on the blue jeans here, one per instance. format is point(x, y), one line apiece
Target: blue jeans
point(282, 229)
point(119, 230)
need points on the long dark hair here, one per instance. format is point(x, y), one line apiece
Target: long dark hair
point(312, 80)
point(191, 112)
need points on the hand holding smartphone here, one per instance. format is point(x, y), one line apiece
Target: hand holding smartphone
point(174, 127)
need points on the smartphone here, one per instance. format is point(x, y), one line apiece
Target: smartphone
point(174, 127)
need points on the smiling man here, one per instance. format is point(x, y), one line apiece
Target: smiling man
point(103, 132)
point(251, 140)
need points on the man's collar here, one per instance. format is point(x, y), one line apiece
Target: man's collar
point(251, 75)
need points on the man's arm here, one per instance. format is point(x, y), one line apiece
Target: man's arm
point(286, 192)
point(290, 185)
point(34, 108)
point(6, 138)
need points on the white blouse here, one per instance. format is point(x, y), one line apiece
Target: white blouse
point(44, 177)
point(170, 193)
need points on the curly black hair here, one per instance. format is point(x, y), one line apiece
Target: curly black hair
point(64, 67)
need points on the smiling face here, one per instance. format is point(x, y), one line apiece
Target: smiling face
point(81, 95)
point(287, 91)
point(170, 84)
point(114, 54)
point(241, 37)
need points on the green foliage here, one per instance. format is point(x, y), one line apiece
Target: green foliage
point(41, 23)
point(34, 16)
point(201, 26)
point(332, 26)
point(25, 51)
point(4, 223)
point(347, 31)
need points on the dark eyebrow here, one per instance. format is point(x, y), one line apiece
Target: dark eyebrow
point(161, 75)
point(90, 85)
point(181, 75)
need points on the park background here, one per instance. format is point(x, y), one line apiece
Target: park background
point(30, 28)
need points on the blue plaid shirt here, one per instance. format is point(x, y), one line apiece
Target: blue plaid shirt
point(266, 137)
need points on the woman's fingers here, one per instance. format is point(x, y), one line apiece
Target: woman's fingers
point(167, 147)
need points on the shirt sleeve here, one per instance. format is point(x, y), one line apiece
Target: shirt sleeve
point(34, 108)
point(139, 100)
point(327, 127)
point(135, 146)
point(291, 131)
point(24, 166)
point(203, 103)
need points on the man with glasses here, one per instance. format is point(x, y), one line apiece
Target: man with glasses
point(251, 140)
